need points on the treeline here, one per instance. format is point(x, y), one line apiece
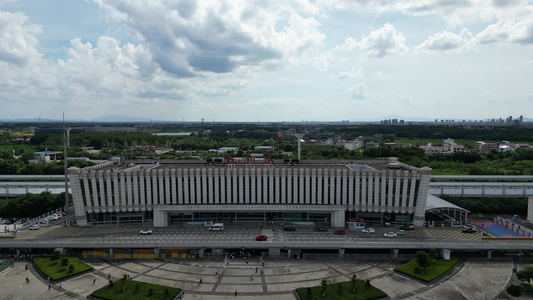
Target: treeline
point(438, 132)
point(30, 205)
point(23, 167)
point(491, 205)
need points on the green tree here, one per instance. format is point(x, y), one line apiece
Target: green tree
point(339, 288)
point(526, 274)
point(433, 254)
point(354, 282)
point(514, 290)
point(422, 259)
point(64, 261)
point(324, 285)
point(57, 255)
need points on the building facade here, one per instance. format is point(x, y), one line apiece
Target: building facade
point(174, 192)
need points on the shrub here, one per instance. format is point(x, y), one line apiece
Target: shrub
point(64, 261)
point(417, 270)
point(150, 292)
point(514, 290)
point(71, 268)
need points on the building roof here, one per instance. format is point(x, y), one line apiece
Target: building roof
point(47, 152)
point(376, 165)
point(436, 203)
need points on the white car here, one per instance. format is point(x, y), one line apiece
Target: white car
point(58, 215)
point(390, 234)
point(369, 230)
point(34, 227)
point(145, 232)
point(52, 217)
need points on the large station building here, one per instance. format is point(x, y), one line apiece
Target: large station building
point(162, 192)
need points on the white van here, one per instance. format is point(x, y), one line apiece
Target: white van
point(217, 226)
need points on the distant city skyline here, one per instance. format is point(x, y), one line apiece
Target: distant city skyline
point(274, 61)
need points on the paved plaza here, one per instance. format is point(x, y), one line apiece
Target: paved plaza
point(474, 278)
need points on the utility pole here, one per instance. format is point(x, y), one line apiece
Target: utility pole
point(65, 163)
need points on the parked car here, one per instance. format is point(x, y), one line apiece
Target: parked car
point(407, 227)
point(339, 231)
point(321, 228)
point(261, 237)
point(53, 217)
point(369, 230)
point(145, 232)
point(34, 227)
point(400, 232)
point(473, 227)
point(467, 230)
point(390, 234)
point(289, 228)
point(58, 215)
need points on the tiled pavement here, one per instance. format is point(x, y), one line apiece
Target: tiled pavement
point(471, 279)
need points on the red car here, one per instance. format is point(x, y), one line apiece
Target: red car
point(261, 237)
point(339, 231)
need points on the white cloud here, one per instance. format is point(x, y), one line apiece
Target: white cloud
point(445, 41)
point(353, 73)
point(359, 92)
point(382, 42)
point(187, 38)
point(17, 39)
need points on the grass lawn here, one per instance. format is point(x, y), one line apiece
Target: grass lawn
point(435, 270)
point(332, 292)
point(56, 271)
point(135, 290)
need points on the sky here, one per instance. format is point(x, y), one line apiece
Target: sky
point(249, 61)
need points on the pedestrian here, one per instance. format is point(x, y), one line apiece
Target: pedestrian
point(256, 269)
point(27, 280)
point(94, 281)
point(26, 267)
point(60, 284)
point(235, 292)
point(108, 276)
point(48, 279)
point(48, 286)
point(200, 280)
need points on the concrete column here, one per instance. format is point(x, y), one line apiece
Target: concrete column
point(489, 254)
point(445, 254)
point(341, 253)
point(160, 218)
point(111, 253)
point(201, 253)
point(394, 253)
point(422, 197)
point(274, 252)
point(337, 218)
point(289, 251)
point(530, 209)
